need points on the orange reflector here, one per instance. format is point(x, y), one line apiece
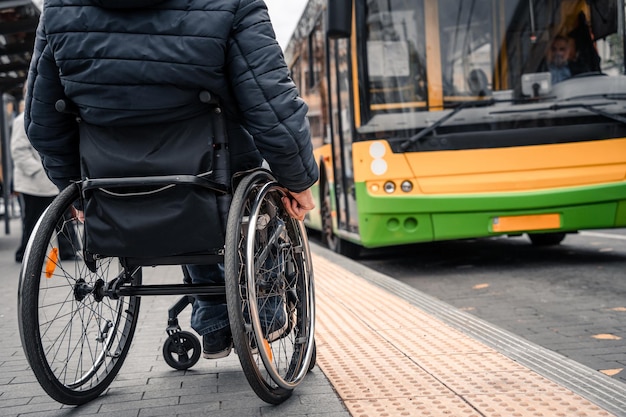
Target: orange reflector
point(51, 264)
point(268, 349)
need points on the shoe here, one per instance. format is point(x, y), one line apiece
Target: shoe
point(274, 319)
point(218, 344)
point(273, 316)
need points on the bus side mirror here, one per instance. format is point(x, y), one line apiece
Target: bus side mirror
point(339, 19)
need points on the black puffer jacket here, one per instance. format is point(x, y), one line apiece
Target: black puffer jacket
point(142, 62)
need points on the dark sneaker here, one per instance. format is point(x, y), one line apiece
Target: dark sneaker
point(218, 344)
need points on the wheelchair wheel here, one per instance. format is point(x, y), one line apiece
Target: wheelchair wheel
point(181, 350)
point(313, 361)
point(269, 289)
point(75, 337)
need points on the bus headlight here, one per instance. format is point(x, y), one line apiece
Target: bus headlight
point(390, 187)
point(406, 186)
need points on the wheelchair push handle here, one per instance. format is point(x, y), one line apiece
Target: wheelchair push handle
point(207, 98)
point(66, 106)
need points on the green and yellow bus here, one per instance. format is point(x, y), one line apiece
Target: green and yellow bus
point(451, 119)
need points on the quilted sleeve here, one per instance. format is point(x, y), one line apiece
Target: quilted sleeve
point(54, 135)
point(268, 100)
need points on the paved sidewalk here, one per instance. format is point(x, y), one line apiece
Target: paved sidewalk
point(389, 350)
point(146, 385)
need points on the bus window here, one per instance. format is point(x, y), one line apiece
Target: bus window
point(591, 28)
point(309, 78)
point(421, 55)
point(610, 51)
point(466, 43)
point(317, 87)
point(395, 49)
point(603, 19)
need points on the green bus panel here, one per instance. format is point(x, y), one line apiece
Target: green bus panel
point(620, 218)
point(386, 221)
point(455, 226)
point(386, 230)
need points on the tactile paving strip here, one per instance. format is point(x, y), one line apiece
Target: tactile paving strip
point(386, 357)
point(534, 405)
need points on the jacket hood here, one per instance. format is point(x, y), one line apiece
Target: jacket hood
point(126, 4)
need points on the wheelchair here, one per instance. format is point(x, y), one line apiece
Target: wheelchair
point(77, 316)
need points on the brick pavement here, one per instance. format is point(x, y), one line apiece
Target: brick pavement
point(483, 382)
point(146, 385)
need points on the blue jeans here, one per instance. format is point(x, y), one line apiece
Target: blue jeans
point(208, 316)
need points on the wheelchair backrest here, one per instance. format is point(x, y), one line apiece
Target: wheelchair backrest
point(142, 213)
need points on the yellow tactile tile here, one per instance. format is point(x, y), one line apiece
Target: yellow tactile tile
point(442, 406)
point(548, 404)
point(429, 341)
point(386, 357)
point(451, 364)
point(518, 382)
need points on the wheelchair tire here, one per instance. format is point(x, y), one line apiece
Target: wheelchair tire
point(75, 338)
point(181, 350)
point(313, 361)
point(269, 289)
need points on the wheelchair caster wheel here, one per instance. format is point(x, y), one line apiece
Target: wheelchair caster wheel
point(181, 350)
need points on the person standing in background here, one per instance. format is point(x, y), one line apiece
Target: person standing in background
point(35, 190)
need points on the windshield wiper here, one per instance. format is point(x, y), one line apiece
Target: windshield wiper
point(606, 114)
point(429, 129)
point(606, 96)
point(555, 107)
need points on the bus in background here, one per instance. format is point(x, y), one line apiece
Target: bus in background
point(450, 119)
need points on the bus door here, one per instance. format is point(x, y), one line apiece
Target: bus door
point(342, 134)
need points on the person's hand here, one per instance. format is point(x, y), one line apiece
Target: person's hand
point(79, 214)
point(299, 204)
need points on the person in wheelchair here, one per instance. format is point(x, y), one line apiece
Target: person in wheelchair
point(135, 68)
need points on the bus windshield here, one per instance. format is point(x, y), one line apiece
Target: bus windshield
point(424, 55)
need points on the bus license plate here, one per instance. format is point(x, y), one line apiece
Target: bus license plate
point(530, 222)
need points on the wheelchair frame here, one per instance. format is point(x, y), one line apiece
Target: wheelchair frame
point(265, 255)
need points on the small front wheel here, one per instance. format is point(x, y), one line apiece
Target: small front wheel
point(181, 350)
